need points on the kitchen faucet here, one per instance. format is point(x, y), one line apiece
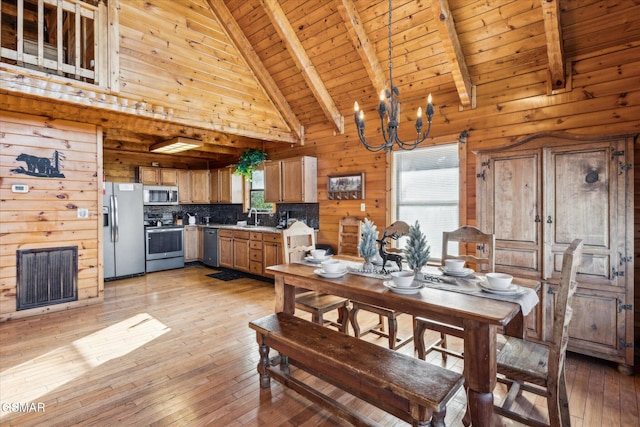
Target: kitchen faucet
point(256, 221)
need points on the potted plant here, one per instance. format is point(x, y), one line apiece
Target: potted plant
point(249, 160)
point(417, 250)
point(367, 245)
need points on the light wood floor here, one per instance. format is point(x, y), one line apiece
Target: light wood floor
point(173, 348)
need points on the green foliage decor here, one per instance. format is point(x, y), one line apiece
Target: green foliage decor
point(417, 250)
point(367, 246)
point(250, 159)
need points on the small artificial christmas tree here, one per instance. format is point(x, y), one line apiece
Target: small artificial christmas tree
point(367, 245)
point(417, 250)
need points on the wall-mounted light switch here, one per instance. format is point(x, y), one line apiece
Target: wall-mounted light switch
point(362, 207)
point(83, 213)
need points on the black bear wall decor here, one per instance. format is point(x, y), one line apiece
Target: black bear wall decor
point(40, 166)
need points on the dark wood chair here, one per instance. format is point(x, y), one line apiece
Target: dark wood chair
point(297, 241)
point(538, 368)
point(485, 264)
point(391, 332)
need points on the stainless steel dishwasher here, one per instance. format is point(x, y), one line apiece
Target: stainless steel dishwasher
point(211, 247)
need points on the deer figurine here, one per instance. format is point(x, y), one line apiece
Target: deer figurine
point(394, 231)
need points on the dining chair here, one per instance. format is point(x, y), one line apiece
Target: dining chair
point(297, 241)
point(391, 332)
point(539, 368)
point(349, 235)
point(486, 263)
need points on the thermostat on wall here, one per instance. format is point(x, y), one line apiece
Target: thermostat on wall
point(19, 188)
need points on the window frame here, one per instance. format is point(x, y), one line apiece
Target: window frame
point(462, 187)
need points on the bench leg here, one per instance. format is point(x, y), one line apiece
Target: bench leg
point(284, 363)
point(437, 420)
point(263, 365)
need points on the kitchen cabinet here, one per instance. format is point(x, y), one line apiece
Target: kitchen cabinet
point(199, 188)
point(255, 253)
point(184, 186)
point(157, 176)
point(234, 249)
point(192, 243)
point(225, 186)
point(225, 248)
point(292, 180)
point(539, 195)
point(271, 252)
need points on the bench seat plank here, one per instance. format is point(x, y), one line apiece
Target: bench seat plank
point(393, 381)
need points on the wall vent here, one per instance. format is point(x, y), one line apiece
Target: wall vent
point(46, 277)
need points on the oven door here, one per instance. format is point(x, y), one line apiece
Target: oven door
point(164, 242)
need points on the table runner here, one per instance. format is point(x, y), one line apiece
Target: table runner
point(527, 299)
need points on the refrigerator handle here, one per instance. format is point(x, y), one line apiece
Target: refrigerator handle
point(116, 219)
point(112, 218)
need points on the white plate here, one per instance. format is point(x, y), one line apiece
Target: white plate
point(512, 289)
point(317, 260)
point(415, 287)
point(462, 273)
point(320, 272)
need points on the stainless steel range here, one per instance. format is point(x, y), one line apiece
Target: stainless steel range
point(164, 243)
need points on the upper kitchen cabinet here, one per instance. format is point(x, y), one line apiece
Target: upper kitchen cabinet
point(291, 180)
point(157, 176)
point(184, 186)
point(200, 191)
point(226, 187)
point(193, 186)
point(540, 194)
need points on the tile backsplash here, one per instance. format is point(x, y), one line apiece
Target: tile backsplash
point(231, 213)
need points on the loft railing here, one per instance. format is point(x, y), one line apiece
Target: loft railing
point(62, 37)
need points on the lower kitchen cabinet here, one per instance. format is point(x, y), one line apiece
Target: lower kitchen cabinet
point(271, 252)
point(225, 248)
point(255, 253)
point(192, 243)
point(234, 249)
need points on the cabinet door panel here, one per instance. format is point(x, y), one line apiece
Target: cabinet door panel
point(519, 258)
point(582, 188)
point(272, 182)
point(599, 322)
point(515, 198)
point(292, 180)
point(582, 185)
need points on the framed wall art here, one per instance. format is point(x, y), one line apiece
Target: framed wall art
point(345, 187)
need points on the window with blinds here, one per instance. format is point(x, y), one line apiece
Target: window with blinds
point(427, 189)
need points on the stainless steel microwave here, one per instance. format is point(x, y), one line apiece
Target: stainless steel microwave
point(160, 195)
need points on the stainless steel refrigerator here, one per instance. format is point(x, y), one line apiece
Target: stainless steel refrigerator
point(123, 230)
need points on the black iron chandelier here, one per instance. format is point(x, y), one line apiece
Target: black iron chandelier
point(390, 107)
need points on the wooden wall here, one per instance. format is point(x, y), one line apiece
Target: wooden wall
point(46, 216)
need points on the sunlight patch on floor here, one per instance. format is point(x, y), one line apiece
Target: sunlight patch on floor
point(31, 380)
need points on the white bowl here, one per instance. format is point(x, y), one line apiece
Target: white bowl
point(403, 279)
point(454, 264)
point(332, 266)
point(318, 253)
point(499, 280)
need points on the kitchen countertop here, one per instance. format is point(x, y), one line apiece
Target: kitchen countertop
point(261, 228)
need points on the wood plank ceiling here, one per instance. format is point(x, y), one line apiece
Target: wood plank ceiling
point(276, 69)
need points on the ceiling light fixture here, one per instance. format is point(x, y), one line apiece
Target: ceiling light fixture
point(391, 109)
point(175, 145)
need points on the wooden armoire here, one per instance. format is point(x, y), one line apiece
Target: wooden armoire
point(539, 194)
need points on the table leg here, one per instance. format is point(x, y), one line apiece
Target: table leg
point(480, 370)
point(285, 296)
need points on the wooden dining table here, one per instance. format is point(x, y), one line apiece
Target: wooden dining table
point(479, 317)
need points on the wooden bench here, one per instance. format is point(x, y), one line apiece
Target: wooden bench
point(404, 386)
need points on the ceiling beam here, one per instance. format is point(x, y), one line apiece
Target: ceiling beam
point(555, 50)
point(225, 18)
point(303, 62)
point(453, 50)
point(360, 41)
